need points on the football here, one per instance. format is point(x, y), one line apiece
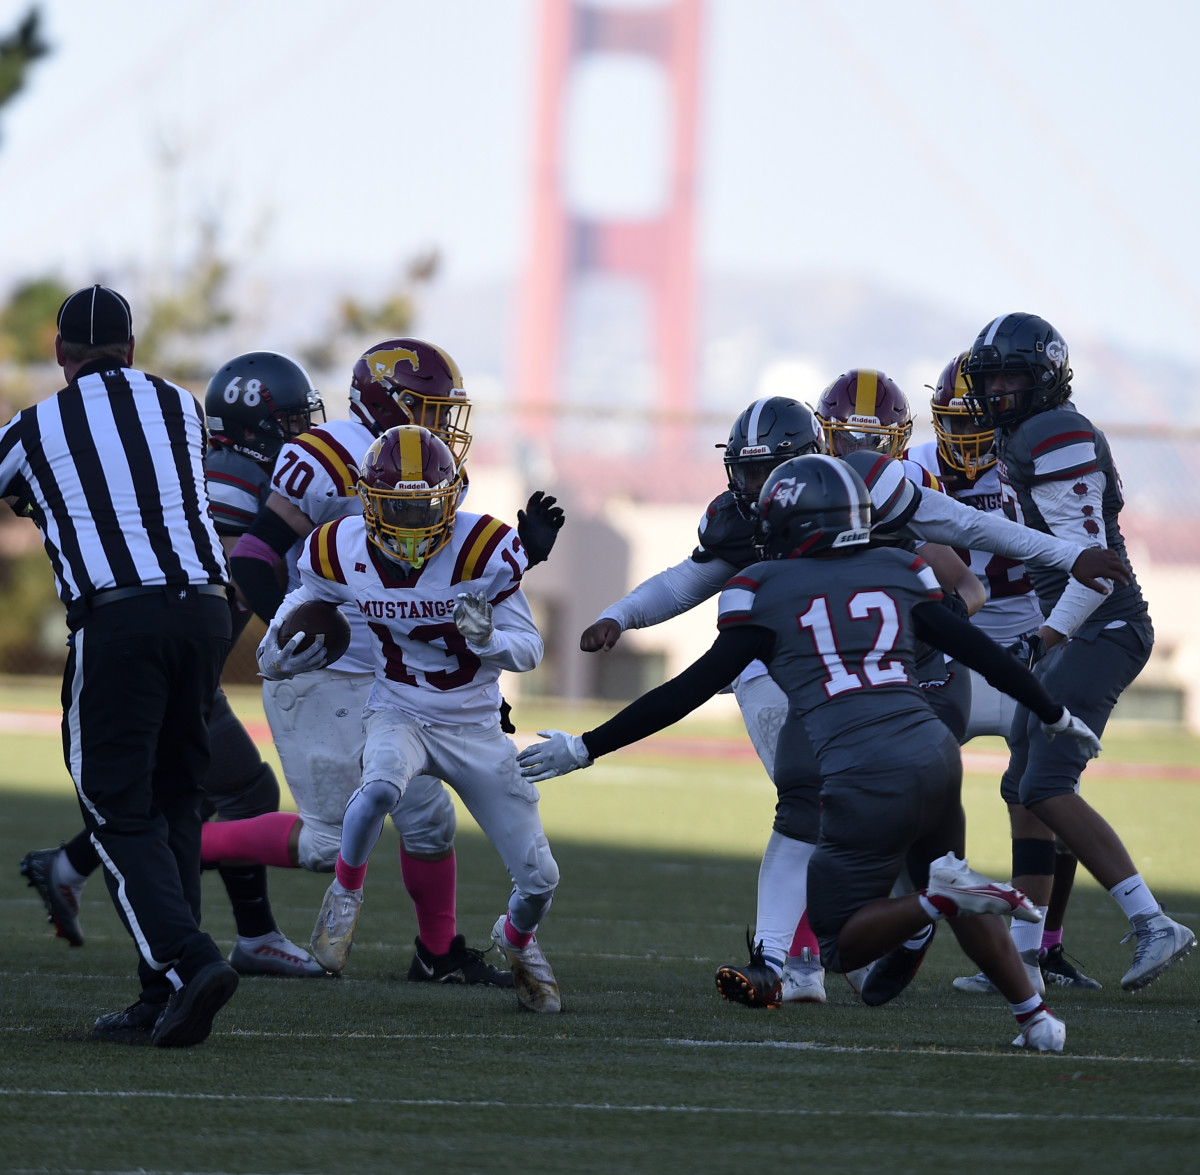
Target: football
point(315, 617)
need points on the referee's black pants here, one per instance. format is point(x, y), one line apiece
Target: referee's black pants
point(137, 691)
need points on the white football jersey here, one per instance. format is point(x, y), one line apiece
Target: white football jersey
point(318, 473)
point(422, 663)
point(1012, 608)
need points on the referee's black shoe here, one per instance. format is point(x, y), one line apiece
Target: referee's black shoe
point(189, 1014)
point(132, 1026)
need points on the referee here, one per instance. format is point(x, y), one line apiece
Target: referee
point(110, 468)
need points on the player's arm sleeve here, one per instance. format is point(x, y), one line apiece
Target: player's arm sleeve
point(669, 593)
point(1068, 512)
point(939, 518)
point(968, 643)
point(729, 654)
point(515, 644)
point(253, 561)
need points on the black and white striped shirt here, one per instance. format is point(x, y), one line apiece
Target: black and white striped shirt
point(112, 466)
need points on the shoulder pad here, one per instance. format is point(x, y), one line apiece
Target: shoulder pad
point(322, 451)
point(725, 533)
point(486, 537)
point(321, 549)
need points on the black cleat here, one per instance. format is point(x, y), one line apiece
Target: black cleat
point(62, 906)
point(460, 964)
point(132, 1026)
point(890, 975)
point(188, 1016)
point(757, 985)
point(1058, 970)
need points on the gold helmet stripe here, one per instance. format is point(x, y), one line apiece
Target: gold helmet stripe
point(411, 466)
point(867, 393)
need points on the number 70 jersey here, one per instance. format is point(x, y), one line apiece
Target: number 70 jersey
point(422, 663)
point(843, 642)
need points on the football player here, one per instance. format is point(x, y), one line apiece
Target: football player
point(316, 718)
point(254, 404)
point(767, 433)
point(440, 592)
point(834, 618)
point(963, 457)
point(1057, 476)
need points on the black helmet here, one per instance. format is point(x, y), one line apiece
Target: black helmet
point(770, 431)
point(1016, 367)
point(810, 504)
point(258, 401)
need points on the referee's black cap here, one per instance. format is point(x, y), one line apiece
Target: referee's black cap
point(94, 316)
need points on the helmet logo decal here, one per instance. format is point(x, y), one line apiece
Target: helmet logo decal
point(755, 451)
point(788, 491)
point(383, 363)
point(1056, 351)
point(856, 419)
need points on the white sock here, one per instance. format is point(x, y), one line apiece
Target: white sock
point(1025, 1006)
point(1134, 897)
point(64, 873)
point(782, 895)
point(1027, 936)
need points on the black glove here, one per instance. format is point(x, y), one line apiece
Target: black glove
point(956, 604)
point(505, 718)
point(538, 526)
point(1029, 650)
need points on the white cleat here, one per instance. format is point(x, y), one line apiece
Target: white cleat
point(274, 955)
point(857, 978)
point(1044, 1032)
point(980, 984)
point(1161, 941)
point(973, 893)
point(803, 979)
point(333, 935)
point(533, 980)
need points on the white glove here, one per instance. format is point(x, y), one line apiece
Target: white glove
point(1071, 726)
point(558, 755)
point(473, 617)
point(275, 663)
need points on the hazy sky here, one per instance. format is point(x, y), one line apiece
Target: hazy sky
point(1034, 155)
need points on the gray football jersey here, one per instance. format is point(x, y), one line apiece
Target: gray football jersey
point(844, 648)
point(1057, 450)
point(237, 487)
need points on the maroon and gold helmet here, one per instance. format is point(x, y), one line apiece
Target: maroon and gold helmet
point(961, 443)
point(409, 381)
point(410, 486)
point(864, 409)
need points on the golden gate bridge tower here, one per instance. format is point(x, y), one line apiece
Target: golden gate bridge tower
point(655, 252)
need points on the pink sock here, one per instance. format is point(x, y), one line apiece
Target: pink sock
point(431, 885)
point(349, 876)
point(1051, 938)
point(260, 839)
point(518, 938)
point(804, 937)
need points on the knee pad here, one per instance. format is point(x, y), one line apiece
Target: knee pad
point(317, 848)
point(426, 819)
point(377, 797)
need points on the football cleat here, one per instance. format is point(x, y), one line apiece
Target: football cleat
point(803, 979)
point(891, 974)
point(333, 935)
point(1058, 970)
point(188, 1016)
point(61, 901)
point(958, 891)
point(980, 984)
point(132, 1026)
point(460, 964)
point(532, 978)
point(275, 956)
point(1161, 941)
point(757, 984)
point(857, 978)
point(1043, 1031)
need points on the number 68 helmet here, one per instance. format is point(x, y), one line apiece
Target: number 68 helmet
point(410, 486)
point(810, 504)
point(258, 401)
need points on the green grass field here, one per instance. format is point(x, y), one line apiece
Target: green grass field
point(646, 1069)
